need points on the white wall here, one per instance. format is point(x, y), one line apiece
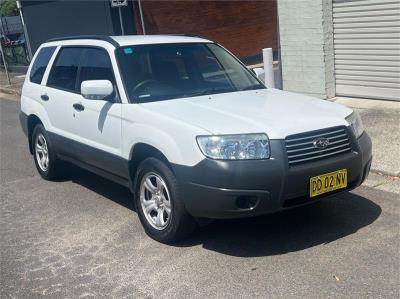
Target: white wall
point(306, 38)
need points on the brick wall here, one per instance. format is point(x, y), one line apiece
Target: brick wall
point(244, 27)
point(306, 37)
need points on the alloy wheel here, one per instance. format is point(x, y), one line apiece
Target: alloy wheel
point(42, 152)
point(155, 201)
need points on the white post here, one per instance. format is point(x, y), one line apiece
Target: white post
point(268, 67)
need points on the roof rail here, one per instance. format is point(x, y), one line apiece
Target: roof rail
point(188, 35)
point(96, 37)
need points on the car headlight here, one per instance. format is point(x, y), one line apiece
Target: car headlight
point(355, 123)
point(235, 147)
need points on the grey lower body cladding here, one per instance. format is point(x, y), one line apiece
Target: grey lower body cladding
point(233, 189)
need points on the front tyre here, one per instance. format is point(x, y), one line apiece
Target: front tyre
point(44, 155)
point(159, 203)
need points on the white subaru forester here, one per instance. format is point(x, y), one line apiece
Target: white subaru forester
point(187, 127)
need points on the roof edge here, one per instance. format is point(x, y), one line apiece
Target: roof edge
point(105, 38)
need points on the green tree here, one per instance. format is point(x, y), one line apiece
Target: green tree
point(8, 8)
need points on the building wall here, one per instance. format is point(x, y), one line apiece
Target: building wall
point(49, 19)
point(244, 27)
point(306, 38)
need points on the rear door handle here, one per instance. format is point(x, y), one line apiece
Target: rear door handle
point(78, 107)
point(44, 97)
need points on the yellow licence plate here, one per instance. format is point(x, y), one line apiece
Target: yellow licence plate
point(328, 182)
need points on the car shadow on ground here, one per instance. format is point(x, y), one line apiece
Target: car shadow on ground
point(106, 188)
point(287, 231)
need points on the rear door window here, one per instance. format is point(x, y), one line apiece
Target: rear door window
point(40, 64)
point(63, 74)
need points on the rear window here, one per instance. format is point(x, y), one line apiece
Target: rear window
point(40, 64)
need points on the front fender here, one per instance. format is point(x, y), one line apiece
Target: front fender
point(177, 147)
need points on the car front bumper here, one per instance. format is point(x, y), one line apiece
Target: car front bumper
point(233, 189)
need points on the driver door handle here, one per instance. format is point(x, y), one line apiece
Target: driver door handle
point(78, 107)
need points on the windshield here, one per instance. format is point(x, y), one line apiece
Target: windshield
point(167, 71)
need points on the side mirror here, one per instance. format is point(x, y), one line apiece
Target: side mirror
point(96, 89)
point(260, 73)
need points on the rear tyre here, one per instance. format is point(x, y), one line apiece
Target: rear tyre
point(44, 155)
point(159, 203)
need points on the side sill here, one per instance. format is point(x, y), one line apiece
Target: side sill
point(103, 173)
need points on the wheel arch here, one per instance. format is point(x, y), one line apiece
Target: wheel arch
point(139, 153)
point(32, 121)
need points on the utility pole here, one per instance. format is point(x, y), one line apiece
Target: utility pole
point(119, 4)
point(141, 17)
point(4, 60)
point(28, 44)
point(120, 20)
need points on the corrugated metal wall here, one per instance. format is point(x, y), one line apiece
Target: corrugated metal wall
point(367, 48)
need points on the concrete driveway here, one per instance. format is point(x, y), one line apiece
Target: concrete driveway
point(382, 121)
point(80, 238)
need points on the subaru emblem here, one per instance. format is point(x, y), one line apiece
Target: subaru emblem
point(321, 143)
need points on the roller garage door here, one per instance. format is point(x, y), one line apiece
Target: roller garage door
point(367, 48)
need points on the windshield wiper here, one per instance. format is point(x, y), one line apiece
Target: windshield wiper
point(252, 87)
point(210, 91)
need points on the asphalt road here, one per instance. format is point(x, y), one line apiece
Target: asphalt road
point(80, 238)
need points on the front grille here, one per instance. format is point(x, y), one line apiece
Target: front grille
point(300, 147)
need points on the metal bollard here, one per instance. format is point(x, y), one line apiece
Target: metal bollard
point(268, 67)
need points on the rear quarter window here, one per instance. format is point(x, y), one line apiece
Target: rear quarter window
point(40, 64)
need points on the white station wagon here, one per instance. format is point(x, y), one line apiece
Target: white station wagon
point(187, 127)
